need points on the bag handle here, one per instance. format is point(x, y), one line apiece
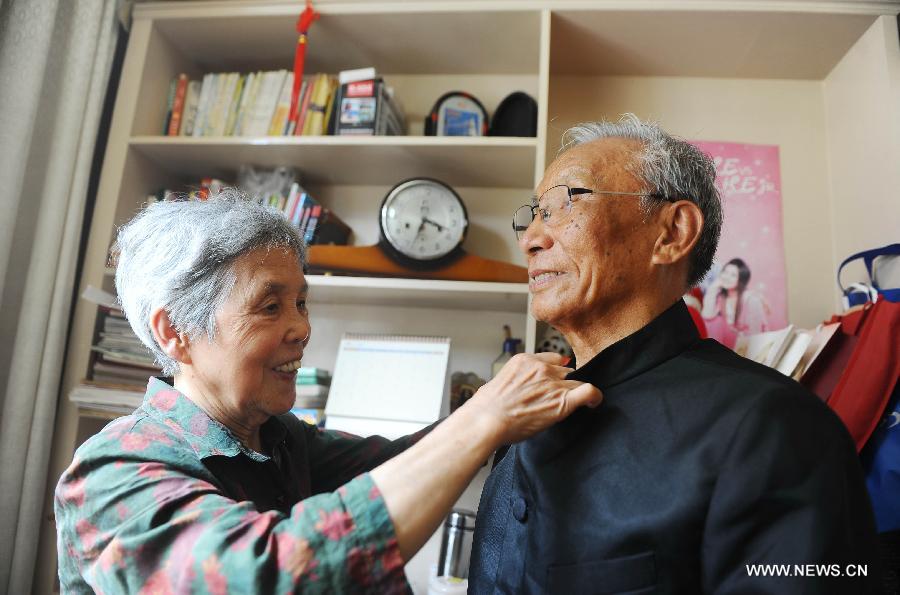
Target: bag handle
point(868, 257)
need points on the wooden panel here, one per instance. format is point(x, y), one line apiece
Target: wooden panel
point(372, 260)
point(458, 161)
point(418, 293)
point(502, 42)
point(702, 44)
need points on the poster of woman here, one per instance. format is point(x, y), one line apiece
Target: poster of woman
point(744, 293)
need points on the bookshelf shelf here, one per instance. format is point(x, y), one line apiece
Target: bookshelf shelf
point(499, 162)
point(418, 293)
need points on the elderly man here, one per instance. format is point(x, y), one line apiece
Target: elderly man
point(700, 465)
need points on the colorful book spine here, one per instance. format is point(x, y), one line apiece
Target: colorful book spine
point(311, 225)
point(189, 117)
point(170, 102)
point(282, 108)
point(178, 105)
point(206, 90)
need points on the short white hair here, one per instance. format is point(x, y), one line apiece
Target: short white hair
point(670, 167)
point(179, 255)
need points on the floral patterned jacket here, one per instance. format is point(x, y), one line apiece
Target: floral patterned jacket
point(167, 500)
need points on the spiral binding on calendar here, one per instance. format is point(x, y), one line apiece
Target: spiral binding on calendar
point(394, 338)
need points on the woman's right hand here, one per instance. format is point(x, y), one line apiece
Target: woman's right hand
point(529, 394)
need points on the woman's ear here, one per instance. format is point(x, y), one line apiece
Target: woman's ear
point(173, 343)
point(681, 223)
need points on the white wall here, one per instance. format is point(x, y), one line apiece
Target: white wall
point(862, 120)
point(789, 114)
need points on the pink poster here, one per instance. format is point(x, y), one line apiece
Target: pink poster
point(745, 292)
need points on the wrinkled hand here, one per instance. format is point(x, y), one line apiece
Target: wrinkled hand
point(529, 394)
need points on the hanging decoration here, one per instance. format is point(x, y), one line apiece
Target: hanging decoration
point(304, 21)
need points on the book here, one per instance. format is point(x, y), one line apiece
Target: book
point(170, 102)
point(793, 352)
point(366, 107)
point(315, 122)
point(263, 106)
point(282, 108)
point(304, 106)
point(218, 115)
point(292, 202)
point(178, 105)
point(313, 396)
point(331, 229)
point(301, 207)
point(310, 230)
point(233, 108)
point(820, 338)
point(312, 416)
point(189, 116)
point(311, 391)
point(764, 348)
point(290, 128)
point(251, 84)
point(207, 89)
point(117, 398)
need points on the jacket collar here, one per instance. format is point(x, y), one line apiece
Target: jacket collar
point(206, 436)
point(665, 337)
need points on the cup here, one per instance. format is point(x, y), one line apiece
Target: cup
point(456, 544)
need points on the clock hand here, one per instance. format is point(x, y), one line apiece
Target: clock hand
point(418, 233)
point(436, 224)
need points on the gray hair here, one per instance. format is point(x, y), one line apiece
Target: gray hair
point(179, 255)
point(671, 167)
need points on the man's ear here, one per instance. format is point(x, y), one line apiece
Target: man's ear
point(173, 343)
point(680, 224)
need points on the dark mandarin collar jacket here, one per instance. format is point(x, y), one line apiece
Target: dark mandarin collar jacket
point(698, 465)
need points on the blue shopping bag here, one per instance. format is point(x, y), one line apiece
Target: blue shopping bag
point(881, 462)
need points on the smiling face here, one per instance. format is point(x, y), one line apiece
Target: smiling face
point(594, 260)
point(251, 365)
point(729, 277)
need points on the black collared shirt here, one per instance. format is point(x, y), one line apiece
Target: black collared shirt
point(697, 464)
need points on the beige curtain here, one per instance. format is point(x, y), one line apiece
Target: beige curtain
point(55, 59)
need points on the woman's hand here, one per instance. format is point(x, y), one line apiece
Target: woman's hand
point(529, 394)
point(421, 484)
point(710, 299)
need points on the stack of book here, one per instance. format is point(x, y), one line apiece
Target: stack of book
point(119, 358)
point(254, 104)
point(259, 103)
point(366, 106)
point(312, 394)
point(120, 365)
point(791, 350)
point(317, 223)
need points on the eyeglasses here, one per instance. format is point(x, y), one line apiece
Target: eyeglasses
point(555, 205)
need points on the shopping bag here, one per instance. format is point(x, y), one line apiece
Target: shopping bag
point(872, 337)
point(881, 462)
point(883, 266)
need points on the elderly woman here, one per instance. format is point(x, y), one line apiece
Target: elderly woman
point(211, 486)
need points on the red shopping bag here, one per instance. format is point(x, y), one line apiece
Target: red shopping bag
point(861, 366)
point(872, 370)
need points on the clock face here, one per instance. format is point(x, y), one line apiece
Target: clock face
point(423, 219)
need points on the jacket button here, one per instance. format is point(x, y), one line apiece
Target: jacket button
point(520, 510)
